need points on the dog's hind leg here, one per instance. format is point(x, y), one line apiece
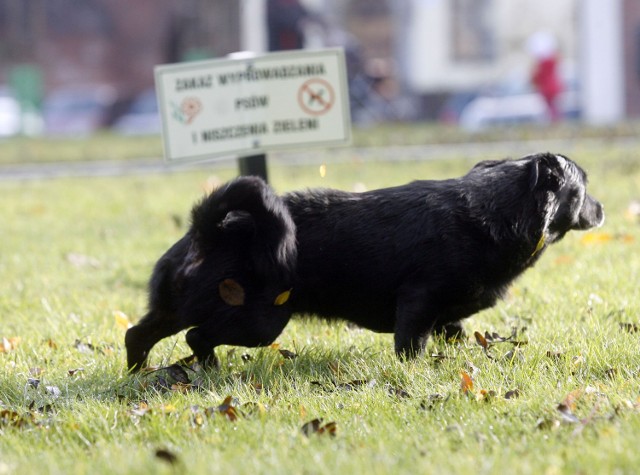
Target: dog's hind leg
point(202, 347)
point(413, 323)
point(450, 331)
point(140, 338)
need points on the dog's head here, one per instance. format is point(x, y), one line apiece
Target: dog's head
point(560, 185)
point(552, 184)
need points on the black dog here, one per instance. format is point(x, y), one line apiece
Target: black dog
point(228, 278)
point(412, 260)
point(418, 258)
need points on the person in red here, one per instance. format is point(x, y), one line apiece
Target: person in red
point(545, 77)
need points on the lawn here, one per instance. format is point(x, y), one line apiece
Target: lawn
point(551, 385)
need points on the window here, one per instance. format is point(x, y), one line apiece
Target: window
point(473, 36)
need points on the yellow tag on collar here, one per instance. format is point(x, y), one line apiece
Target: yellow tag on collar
point(282, 298)
point(540, 245)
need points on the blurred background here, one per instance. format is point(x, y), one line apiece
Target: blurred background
point(71, 68)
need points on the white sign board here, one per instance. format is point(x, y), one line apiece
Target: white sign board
point(252, 105)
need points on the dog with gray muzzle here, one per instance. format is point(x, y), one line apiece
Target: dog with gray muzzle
point(414, 260)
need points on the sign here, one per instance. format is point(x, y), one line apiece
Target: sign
point(251, 105)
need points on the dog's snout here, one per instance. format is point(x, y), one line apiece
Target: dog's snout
point(591, 214)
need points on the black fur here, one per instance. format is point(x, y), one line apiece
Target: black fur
point(412, 259)
point(418, 258)
point(243, 233)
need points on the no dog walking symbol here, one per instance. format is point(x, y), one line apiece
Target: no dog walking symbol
point(316, 96)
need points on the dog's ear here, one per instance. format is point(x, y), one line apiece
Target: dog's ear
point(546, 172)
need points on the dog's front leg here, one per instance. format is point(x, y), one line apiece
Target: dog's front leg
point(202, 347)
point(414, 323)
point(140, 338)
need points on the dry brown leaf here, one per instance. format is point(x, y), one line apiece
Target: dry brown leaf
point(630, 327)
point(9, 344)
point(167, 456)
point(231, 292)
point(466, 384)
point(228, 408)
point(571, 399)
point(288, 355)
point(513, 394)
point(316, 426)
point(481, 340)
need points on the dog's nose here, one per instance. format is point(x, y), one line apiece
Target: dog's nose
point(591, 214)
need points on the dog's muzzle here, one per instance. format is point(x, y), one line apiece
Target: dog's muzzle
point(591, 215)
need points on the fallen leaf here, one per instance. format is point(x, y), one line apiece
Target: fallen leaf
point(35, 372)
point(167, 456)
point(198, 419)
point(183, 388)
point(611, 373)
point(433, 399)
point(13, 419)
point(596, 238)
point(563, 260)
point(486, 395)
point(231, 292)
point(122, 320)
point(481, 340)
point(630, 327)
point(633, 211)
point(288, 355)
point(178, 373)
point(547, 424)
point(555, 355)
point(317, 427)
point(438, 357)
point(466, 385)
point(514, 393)
point(601, 238)
point(351, 385)
point(9, 344)
point(53, 391)
point(52, 344)
point(282, 298)
point(228, 408)
point(140, 410)
point(254, 408)
point(398, 392)
point(571, 399)
point(567, 414)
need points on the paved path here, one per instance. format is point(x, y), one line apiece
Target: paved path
point(475, 150)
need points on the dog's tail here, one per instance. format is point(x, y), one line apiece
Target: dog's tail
point(274, 242)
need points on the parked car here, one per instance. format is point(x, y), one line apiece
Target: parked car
point(515, 103)
point(486, 111)
point(142, 116)
point(77, 111)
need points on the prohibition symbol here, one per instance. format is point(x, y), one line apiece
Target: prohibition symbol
point(316, 96)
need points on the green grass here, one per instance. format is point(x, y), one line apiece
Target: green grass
point(74, 251)
point(107, 146)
